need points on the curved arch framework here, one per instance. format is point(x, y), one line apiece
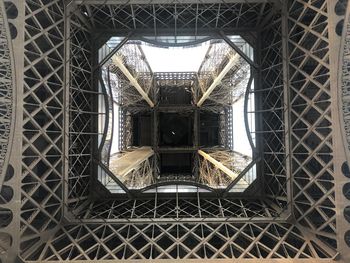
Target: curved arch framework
point(66, 215)
point(7, 119)
point(6, 93)
point(344, 105)
point(345, 81)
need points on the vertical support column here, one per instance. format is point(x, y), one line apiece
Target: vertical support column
point(196, 142)
point(339, 138)
point(155, 131)
point(258, 118)
point(97, 86)
point(287, 114)
point(155, 128)
point(66, 106)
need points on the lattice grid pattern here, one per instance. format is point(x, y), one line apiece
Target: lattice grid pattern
point(272, 106)
point(176, 209)
point(42, 157)
point(312, 161)
point(44, 237)
point(82, 112)
point(190, 18)
point(178, 241)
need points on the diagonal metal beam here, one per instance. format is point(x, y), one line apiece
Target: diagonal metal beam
point(119, 63)
point(218, 165)
point(232, 62)
point(130, 161)
point(239, 177)
point(113, 51)
point(238, 50)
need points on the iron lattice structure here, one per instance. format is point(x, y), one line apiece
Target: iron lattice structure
point(50, 210)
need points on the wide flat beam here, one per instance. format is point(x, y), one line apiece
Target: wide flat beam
point(221, 260)
point(119, 63)
point(231, 260)
point(141, 2)
point(233, 60)
point(130, 161)
point(218, 165)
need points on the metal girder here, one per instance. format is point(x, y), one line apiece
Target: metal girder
point(232, 260)
point(232, 62)
point(38, 157)
point(286, 98)
point(341, 108)
point(119, 63)
point(219, 165)
point(128, 162)
point(239, 177)
point(141, 2)
point(238, 50)
point(113, 52)
point(309, 80)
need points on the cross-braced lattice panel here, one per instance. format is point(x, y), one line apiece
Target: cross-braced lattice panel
point(178, 241)
point(312, 163)
point(271, 113)
point(189, 18)
point(81, 113)
point(95, 239)
point(41, 196)
point(176, 209)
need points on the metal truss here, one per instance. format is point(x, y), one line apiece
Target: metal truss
point(60, 220)
point(80, 128)
point(310, 113)
point(176, 19)
point(345, 80)
point(130, 61)
point(139, 174)
point(6, 91)
point(177, 241)
point(219, 168)
point(7, 118)
point(43, 115)
point(179, 208)
point(342, 201)
point(271, 111)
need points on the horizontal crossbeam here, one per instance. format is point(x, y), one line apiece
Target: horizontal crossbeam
point(140, 2)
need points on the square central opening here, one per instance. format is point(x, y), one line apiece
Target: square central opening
point(167, 115)
point(176, 129)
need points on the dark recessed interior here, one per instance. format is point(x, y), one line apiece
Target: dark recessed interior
point(142, 129)
point(176, 163)
point(209, 129)
point(176, 129)
point(172, 95)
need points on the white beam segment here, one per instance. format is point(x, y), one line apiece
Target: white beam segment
point(222, 168)
point(119, 63)
point(233, 61)
point(130, 161)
